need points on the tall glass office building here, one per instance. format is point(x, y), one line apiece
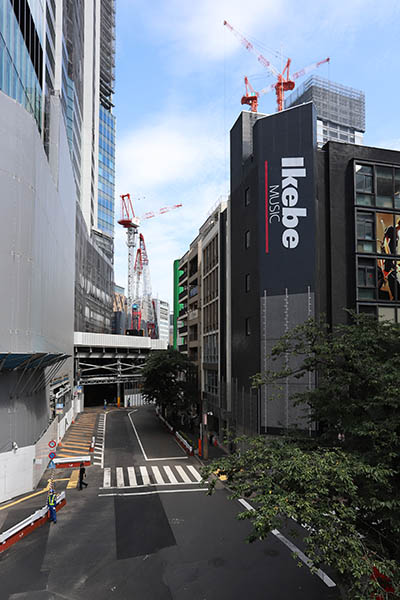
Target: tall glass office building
point(106, 180)
point(106, 194)
point(22, 34)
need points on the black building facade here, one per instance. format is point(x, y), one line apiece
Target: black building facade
point(312, 232)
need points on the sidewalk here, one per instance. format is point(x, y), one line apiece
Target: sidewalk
point(76, 441)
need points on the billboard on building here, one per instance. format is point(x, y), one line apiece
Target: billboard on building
point(285, 146)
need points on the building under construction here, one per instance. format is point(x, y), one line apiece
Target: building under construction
point(340, 109)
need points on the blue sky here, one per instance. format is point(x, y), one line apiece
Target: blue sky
point(179, 80)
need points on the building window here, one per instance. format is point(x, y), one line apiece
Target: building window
point(367, 309)
point(384, 187)
point(247, 239)
point(397, 188)
point(388, 273)
point(247, 196)
point(364, 179)
point(366, 279)
point(247, 326)
point(247, 282)
point(365, 232)
point(387, 229)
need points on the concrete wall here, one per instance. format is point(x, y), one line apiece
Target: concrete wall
point(37, 238)
point(37, 245)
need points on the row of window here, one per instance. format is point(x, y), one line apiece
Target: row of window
point(377, 186)
point(378, 279)
point(106, 173)
point(210, 348)
point(210, 286)
point(210, 255)
point(107, 160)
point(107, 132)
point(107, 117)
point(110, 149)
point(106, 202)
point(106, 227)
point(105, 217)
point(210, 317)
point(211, 382)
point(105, 187)
point(18, 79)
point(383, 313)
point(378, 232)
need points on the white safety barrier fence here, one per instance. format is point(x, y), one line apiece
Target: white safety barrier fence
point(23, 528)
point(71, 461)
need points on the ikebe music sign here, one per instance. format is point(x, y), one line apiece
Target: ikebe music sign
point(281, 202)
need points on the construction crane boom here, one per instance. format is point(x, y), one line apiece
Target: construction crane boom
point(249, 46)
point(284, 83)
point(140, 307)
point(161, 211)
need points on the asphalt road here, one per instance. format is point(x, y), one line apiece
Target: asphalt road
point(158, 536)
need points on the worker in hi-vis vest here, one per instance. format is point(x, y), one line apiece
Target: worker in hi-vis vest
point(51, 503)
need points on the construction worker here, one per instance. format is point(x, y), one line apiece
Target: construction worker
point(51, 503)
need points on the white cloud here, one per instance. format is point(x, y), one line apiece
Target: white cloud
point(174, 160)
point(197, 27)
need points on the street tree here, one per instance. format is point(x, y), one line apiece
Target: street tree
point(169, 379)
point(344, 484)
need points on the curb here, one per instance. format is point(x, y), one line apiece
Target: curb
point(181, 441)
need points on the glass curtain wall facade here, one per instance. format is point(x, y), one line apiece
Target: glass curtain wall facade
point(106, 171)
point(106, 181)
point(21, 54)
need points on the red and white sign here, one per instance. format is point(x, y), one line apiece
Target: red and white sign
point(52, 444)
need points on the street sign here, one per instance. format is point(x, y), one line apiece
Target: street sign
point(52, 465)
point(52, 455)
point(52, 444)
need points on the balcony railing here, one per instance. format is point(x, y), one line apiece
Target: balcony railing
point(182, 348)
point(182, 329)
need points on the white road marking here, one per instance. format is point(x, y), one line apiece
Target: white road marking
point(170, 475)
point(145, 476)
point(194, 472)
point(132, 477)
point(182, 473)
point(107, 478)
point(137, 436)
point(120, 477)
point(142, 448)
point(323, 576)
point(156, 492)
point(157, 475)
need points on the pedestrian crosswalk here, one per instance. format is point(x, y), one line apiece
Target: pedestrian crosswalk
point(143, 476)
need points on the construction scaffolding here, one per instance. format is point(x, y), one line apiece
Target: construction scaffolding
point(333, 102)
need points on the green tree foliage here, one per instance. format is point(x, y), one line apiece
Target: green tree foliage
point(344, 485)
point(169, 379)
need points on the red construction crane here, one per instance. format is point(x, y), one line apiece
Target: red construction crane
point(284, 82)
point(161, 211)
point(250, 98)
point(131, 223)
point(143, 312)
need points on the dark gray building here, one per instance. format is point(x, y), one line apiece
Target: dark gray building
point(312, 231)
